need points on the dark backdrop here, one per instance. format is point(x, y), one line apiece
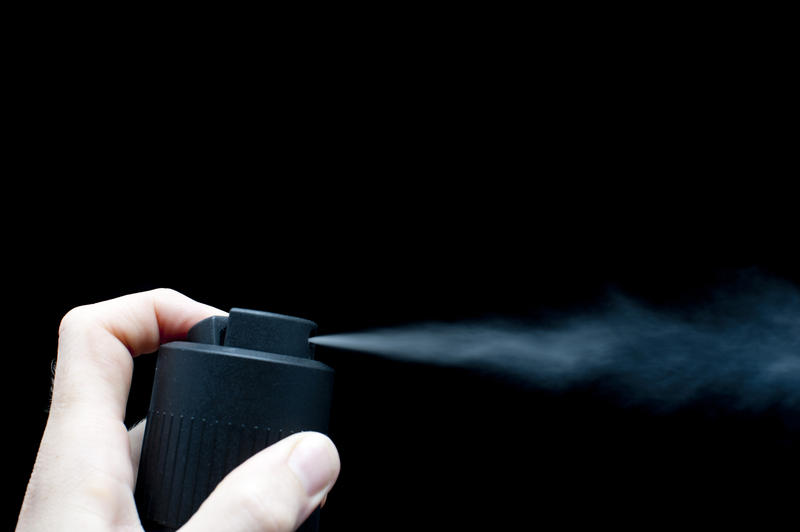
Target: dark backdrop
point(379, 191)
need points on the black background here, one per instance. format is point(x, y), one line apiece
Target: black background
point(420, 183)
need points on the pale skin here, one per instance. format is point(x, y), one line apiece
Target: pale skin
point(85, 471)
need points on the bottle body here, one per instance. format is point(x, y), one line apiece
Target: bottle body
point(212, 407)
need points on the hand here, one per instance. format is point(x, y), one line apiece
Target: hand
point(85, 471)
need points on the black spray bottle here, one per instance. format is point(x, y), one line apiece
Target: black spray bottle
point(238, 384)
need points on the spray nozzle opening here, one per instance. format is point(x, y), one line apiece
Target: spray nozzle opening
point(257, 330)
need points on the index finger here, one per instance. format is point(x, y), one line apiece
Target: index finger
point(97, 344)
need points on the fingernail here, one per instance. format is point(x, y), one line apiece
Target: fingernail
point(311, 461)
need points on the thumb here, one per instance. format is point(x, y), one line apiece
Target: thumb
point(274, 491)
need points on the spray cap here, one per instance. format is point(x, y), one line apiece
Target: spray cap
point(260, 331)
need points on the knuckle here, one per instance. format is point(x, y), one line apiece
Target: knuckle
point(75, 319)
point(85, 326)
point(164, 293)
point(95, 488)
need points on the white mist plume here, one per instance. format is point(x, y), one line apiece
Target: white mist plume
point(743, 346)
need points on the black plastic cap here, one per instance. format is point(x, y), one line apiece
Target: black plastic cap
point(260, 331)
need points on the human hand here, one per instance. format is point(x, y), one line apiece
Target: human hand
point(85, 470)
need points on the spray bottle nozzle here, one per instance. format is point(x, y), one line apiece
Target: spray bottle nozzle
point(257, 330)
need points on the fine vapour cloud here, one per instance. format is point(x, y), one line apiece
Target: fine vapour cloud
point(740, 346)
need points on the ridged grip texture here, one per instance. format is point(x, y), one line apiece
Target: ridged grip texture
point(212, 408)
point(195, 452)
